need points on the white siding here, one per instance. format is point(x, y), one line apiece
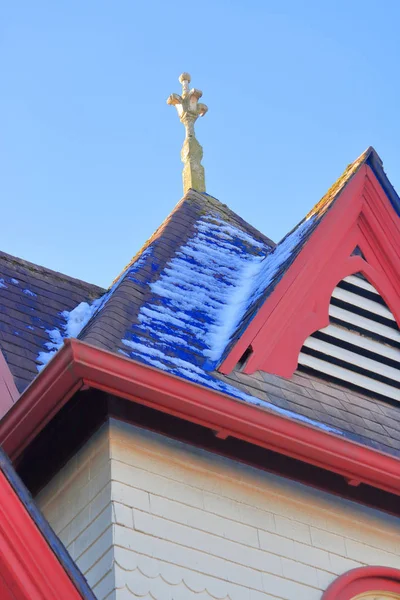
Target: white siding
point(191, 525)
point(188, 525)
point(77, 504)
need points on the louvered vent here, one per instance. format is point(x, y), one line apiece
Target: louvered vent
point(361, 345)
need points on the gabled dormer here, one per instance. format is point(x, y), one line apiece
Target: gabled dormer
point(334, 303)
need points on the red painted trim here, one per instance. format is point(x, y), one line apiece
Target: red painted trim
point(363, 580)
point(362, 216)
point(5, 592)
point(78, 363)
point(28, 567)
point(8, 390)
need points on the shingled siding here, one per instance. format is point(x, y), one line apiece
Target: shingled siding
point(77, 504)
point(193, 525)
point(145, 516)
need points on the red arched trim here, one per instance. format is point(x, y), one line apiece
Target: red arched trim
point(362, 216)
point(289, 346)
point(363, 580)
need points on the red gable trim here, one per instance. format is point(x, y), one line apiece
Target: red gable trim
point(29, 570)
point(363, 580)
point(362, 216)
point(8, 390)
point(78, 364)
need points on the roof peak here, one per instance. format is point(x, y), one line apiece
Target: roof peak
point(195, 196)
point(189, 110)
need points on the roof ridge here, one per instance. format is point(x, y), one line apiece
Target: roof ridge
point(16, 260)
point(150, 240)
point(153, 261)
point(231, 214)
point(339, 184)
point(202, 197)
point(132, 288)
point(289, 247)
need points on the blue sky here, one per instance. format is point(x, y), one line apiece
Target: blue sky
point(89, 149)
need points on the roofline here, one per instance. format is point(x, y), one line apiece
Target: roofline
point(26, 264)
point(268, 320)
point(375, 162)
point(78, 364)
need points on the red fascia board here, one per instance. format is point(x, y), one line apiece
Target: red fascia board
point(78, 364)
point(362, 580)
point(28, 567)
point(8, 390)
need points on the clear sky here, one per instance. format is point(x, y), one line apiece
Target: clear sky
point(89, 149)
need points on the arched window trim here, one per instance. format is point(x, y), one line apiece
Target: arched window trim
point(363, 580)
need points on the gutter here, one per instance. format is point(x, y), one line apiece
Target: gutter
point(78, 364)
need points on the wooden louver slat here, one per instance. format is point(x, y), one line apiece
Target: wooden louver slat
point(361, 345)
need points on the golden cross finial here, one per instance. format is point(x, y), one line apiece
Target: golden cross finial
point(189, 109)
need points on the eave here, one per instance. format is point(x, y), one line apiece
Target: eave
point(79, 365)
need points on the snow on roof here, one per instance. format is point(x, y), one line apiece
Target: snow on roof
point(207, 287)
point(198, 301)
point(201, 294)
point(195, 306)
point(190, 295)
point(76, 319)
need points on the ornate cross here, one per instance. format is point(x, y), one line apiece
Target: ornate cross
point(189, 109)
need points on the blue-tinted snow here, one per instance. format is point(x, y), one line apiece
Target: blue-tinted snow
point(14, 281)
point(76, 319)
point(159, 359)
point(2, 283)
point(29, 293)
point(200, 298)
point(205, 290)
point(196, 305)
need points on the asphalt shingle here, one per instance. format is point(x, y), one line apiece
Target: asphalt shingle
point(32, 299)
point(181, 303)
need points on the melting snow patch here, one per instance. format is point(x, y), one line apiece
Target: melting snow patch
point(77, 319)
point(14, 281)
point(2, 283)
point(253, 279)
point(56, 339)
point(156, 358)
point(29, 293)
point(200, 299)
point(205, 290)
point(44, 358)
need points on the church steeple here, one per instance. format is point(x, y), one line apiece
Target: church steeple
point(189, 109)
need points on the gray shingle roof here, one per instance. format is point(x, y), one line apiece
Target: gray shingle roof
point(31, 300)
point(177, 306)
point(361, 418)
